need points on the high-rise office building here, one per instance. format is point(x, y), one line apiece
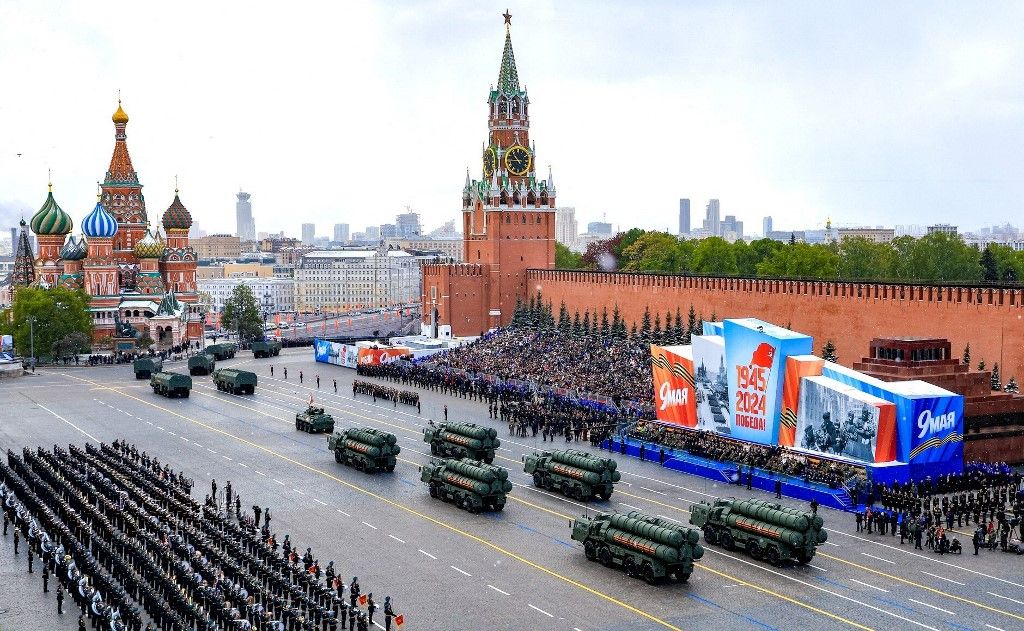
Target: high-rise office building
point(730, 228)
point(942, 227)
point(766, 226)
point(245, 225)
point(308, 233)
point(684, 216)
point(341, 232)
point(388, 231)
point(712, 218)
point(407, 225)
point(373, 233)
point(566, 226)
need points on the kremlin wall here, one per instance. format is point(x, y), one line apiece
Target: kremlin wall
point(848, 313)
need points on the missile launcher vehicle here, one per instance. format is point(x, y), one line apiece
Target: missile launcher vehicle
point(146, 367)
point(473, 485)
point(572, 472)
point(222, 351)
point(366, 449)
point(234, 381)
point(314, 420)
point(766, 530)
point(650, 548)
point(462, 440)
point(266, 348)
point(201, 364)
point(171, 384)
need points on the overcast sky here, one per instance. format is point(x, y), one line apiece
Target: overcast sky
point(869, 113)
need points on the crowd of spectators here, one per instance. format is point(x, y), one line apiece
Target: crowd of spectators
point(124, 538)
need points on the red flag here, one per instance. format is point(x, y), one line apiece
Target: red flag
point(362, 599)
point(399, 620)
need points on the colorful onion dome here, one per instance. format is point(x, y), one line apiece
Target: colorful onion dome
point(119, 116)
point(51, 218)
point(177, 217)
point(151, 246)
point(74, 249)
point(99, 223)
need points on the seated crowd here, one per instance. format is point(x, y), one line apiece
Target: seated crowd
point(126, 540)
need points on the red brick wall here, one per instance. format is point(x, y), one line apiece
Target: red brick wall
point(850, 314)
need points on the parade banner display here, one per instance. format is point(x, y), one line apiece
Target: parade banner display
point(674, 393)
point(712, 328)
point(377, 356)
point(711, 384)
point(797, 367)
point(755, 357)
point(837, 419)
point(328, 352)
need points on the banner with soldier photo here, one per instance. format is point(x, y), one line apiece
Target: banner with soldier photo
point(836, 419)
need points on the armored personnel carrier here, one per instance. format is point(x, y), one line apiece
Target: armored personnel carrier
point(235, 381)
point(766, 530)
point(572, 472)
point(222, 351)
point(366, 449)
point(314, 420)
point(201, 364)
point(171, 384)
point(647, 547)
point(472, 485)
point(145, 367)
point(266, 348)
point(462, 440)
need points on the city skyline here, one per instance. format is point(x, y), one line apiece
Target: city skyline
point(810, 131)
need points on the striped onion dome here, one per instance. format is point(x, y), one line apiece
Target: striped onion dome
point(151, 246)
point(51, 218)
point(99, 223)
point(177, 216)
point(74, 249)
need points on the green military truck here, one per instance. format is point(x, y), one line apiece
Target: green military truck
point(222, 351)
point(314, 420)
point(766, 530)
point(201, 364)
point(462, 440)
point(145, 367)
point(266, 348)
point(171, 384)
point(234, 381)
point(647, 547)
point(472, 485)
point(366, 449)
point(572, 472)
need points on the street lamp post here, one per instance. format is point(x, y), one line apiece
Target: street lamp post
point(266, 311)
point(32, 341)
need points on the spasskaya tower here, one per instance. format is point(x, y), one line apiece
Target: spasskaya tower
point(508, 220)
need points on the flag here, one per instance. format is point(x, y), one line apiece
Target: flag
point(362, 600)
point(399, 621)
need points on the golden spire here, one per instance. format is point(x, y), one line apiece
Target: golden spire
point(119, 116)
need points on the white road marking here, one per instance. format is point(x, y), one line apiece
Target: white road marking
point(396, 539)
point(149, 422)
point(834, 545)
point(996, 628)
point(319, 501)
point(227, 458)
point(683, 499)
point(377, 624)
point(820, 569)
point(195, 441)
point(653, 491)
point(629, 506)
point(171, 433)
point(460, 571)
point(670, 519)
point(183, 438)
point(944, 578)
point(878, 558)
point(500, 591)
point(160, 428)
point(68, 422)
point(426, 553)
point(540, 610)
point(278, 481)
point(947, 611)
point(343, 513)
point(260, 473)
point(869, 585)
point(1019, 602)
point(242, 464)
point(298, 491)
point(375, 528)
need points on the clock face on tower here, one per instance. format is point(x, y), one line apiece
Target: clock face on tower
point(490, 161)
point(517, 160)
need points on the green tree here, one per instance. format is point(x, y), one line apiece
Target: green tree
point(939, 257)
point(618, 325)
point(71, 344)
point(564, 323)
point(626, 239)
point(242, 314)
point(801, 260)
point(864, 259)
point(56, 313)
point(997, 384)
point(518, 314)
point(1011, 386)
point(967, 356)
point(691, 324)
point(566, 258)
point(605, 325)
point(828, 352)
point(989, 267)
point(586, 323)
point(716, 256)
point(981, 365)
point(678, 334)
point(653, 252)
point(645, 324)
point(657, 335)
point(144, 341)
point(577, 325)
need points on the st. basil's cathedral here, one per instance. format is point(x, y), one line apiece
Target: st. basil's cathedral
point(138, 279)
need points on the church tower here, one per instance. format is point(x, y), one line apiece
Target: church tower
point(121, 194)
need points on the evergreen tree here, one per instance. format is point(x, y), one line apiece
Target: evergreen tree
point(996, 383)
point(967, 356)
point(633, 333)
point(989, 265)
point(828, 353)
point(1009, 275)
point(666, 333)
point(645, 324)
point(691, 325)
point(678, 333)
point(981, 365)
point(1011, 386)
point(577, 326)
point(586, 323)
point(605, 330)
point(656, 335)
point(792, 238)
point(700, 324)
point(714, 317)
point(242, 314)
point(618, 326)
point(563, 318)
point(517, 315)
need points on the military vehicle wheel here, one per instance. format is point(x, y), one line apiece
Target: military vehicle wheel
point(538, 480)
point(682, 577)
point(710, 536)
point(468, 505)
point(390, 468)
point(433, 491)
point(433, 449)
point(753, 549)
point(576, 492)
point(186, 394)
point(489, 460)
point(803, 558)
point(727, 541)
point(549, 484)
point(628, 566)
point(590, 550)
point(605, 495)
point(499, 506)
point(647, 572)
point(772, 555)
point(604, 556)
point(337, 457)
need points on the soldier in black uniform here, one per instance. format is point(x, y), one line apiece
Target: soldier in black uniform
point(46, 579)
point(353, 592)
point(370, 606)
point(17, 538)
point(389, 613)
